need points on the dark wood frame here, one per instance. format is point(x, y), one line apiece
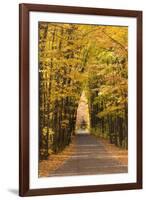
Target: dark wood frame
point(24, 10)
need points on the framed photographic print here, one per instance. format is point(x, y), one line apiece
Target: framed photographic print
point(80, 99)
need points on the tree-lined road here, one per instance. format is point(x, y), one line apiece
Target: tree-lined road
point(90, 157)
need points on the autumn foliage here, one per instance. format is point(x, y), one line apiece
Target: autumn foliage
point(73, 58)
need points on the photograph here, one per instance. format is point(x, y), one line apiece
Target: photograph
point(80, 86)
point(83, 99)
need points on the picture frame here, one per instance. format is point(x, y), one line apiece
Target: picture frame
point(24, 99)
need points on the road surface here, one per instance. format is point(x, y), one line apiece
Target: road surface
point(89, 157)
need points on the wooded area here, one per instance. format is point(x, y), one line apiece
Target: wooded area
point(74, 58)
